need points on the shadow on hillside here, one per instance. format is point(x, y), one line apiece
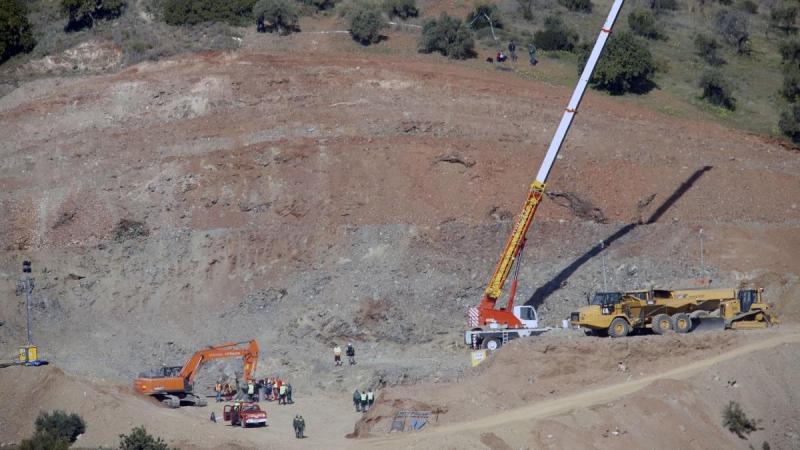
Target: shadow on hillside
point(556, 282)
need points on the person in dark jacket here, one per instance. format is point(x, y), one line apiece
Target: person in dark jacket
point(351, 353)
point(532, 54)
point(299, 426)
point(357, 400)
point(512, 50)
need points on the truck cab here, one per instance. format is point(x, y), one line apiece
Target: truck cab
point(244, 414)
point(605, 306)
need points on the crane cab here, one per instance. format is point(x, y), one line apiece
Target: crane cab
point(527, 315)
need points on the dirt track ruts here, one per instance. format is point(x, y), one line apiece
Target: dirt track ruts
point(580, 400)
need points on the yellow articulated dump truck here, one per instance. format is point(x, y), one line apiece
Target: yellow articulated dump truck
point(620, 313)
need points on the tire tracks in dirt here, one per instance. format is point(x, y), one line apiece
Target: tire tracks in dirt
point(583, 399)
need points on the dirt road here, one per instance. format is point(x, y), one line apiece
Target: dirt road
point(585, 399)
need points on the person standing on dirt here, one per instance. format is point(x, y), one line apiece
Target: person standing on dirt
point(289, 400)
point(261, 387)
point(364, 400)
point(299, 426)
point(282, 395)
point(296, 425)
point(351, 353)
point(532, 53)
point(370, 399)
point(337, 355)
point(357, 400)
point(251, 390)
point(512, 50)
point(218, 389)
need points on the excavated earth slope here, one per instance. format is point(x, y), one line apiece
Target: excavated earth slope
point(306, 199)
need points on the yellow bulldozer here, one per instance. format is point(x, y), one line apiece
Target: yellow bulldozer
point(618, 314)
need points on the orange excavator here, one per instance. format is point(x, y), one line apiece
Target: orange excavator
point(492, 326)
point(175, 385)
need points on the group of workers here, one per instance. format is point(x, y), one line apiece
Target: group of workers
point(350, 351)
point(512, 52)
point(270, 389)
point(363, 400)
point(255, 391)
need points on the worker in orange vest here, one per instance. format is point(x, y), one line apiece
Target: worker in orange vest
point(218, 389)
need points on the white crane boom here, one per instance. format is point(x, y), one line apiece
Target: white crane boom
point(577, 95)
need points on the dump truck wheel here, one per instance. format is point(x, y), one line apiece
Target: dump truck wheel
point(682, 323)
point(619, 328)
point(662, 323)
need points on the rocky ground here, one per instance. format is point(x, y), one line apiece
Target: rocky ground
point(303, 199)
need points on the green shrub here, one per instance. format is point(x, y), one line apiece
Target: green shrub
point(784, 15)
point(43, 441)
point(748, 6)
point(448, 36)
point(734, 28)
point(15, 30)
point(60, 424)
point(791, 83)
point(643, 23)
point(790, 51)
point(276, 15)
point(192, 12)
point(404, 9)
point(526, 8)
point(366, 23)
point(139, 439)
point(477, 18)
point(663, 5)
point(626, 65)
point(736, 420)
point(717, 90)
point(320, 5)
point(708, 49)
point(789, 122)
point(578, 5)
point(130, 229)
point(555, 36)
point(83, 13)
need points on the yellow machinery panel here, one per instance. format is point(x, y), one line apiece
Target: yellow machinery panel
point(28, 353)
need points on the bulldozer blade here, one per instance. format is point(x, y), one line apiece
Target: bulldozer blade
point(708, 324)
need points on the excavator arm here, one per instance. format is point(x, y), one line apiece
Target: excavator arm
point(486, 312)
point(174, 388)
point(228, 350)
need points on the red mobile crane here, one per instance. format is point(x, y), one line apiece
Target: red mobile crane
point(490, 326)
